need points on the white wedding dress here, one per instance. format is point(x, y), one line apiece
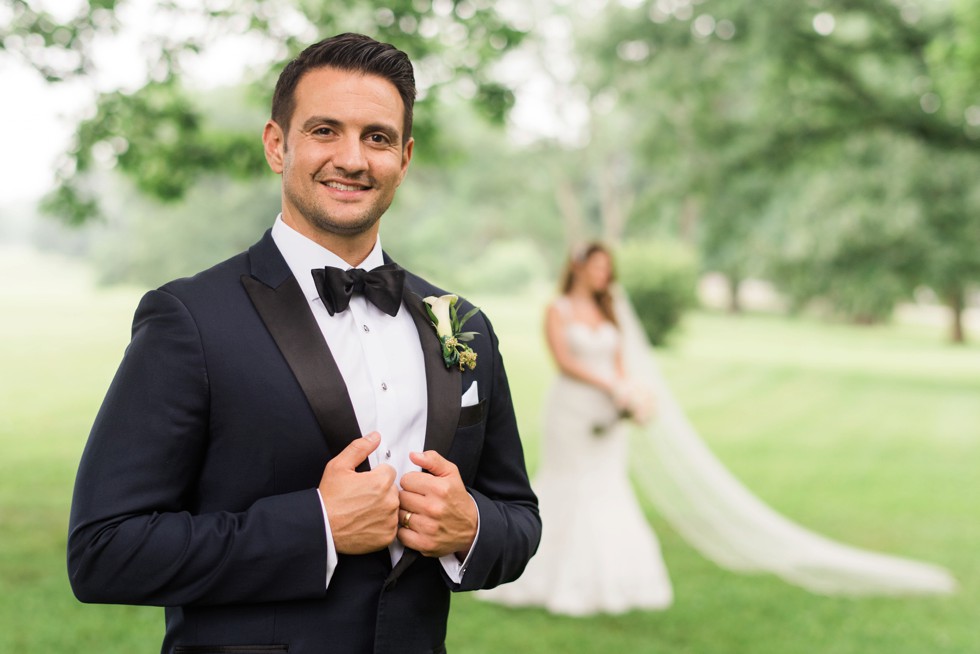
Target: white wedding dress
point(598, 554)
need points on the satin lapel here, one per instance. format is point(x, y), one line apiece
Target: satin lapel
point(287, 316)
point(444, 390)
point(444, 385)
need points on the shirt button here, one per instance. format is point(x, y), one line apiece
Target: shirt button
point(387, 454)
point(366, 328)
point(384, 386)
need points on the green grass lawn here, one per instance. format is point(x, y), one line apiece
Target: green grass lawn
point(869, 435)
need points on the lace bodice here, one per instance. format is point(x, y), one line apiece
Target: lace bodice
point(594, 346)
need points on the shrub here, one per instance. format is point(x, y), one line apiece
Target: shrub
point(507, 266)
point(660, 278)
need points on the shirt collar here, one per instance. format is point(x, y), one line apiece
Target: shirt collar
point(302, 255)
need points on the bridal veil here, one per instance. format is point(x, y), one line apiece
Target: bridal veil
point(729, 525)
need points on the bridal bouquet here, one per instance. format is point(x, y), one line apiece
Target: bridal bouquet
point(634, 401)
point(637, 403)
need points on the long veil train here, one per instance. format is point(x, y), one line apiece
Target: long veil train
point(729, 525)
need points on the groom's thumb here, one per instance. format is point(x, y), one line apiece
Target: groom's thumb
point(358, 450)
point(434, 462)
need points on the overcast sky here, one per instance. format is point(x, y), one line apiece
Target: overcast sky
point(35, 131)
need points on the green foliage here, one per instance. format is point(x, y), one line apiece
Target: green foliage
point(71, 204)
point(452, 221)
point(954, 58)
point(951, 230)
point(728, 232)
point(725, 124)
point(686, 106)
point(862, 235)
point(661, 281)
point(147, 243)
point(948, 193)
point(850, 236)
point(58, 50)
point(156, 134)
point(733, 112)
point(451, 215)
point(504, 266)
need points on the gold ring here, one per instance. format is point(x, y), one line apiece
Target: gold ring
point(408, 516)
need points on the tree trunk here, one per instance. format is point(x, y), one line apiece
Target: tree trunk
point(690, 215)
point(957, 303)
point(734, 299)
point(570, 210)
point(616, 200)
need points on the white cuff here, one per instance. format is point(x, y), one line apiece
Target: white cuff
point(451, 564)
point(331, 547)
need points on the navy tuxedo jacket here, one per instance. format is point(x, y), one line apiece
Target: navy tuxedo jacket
point(197, 488)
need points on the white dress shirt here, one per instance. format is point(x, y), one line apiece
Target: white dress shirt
point(380, 359)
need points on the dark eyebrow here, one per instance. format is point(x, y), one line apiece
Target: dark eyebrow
point(389, 131)
point(313, 121)
point(392, 133)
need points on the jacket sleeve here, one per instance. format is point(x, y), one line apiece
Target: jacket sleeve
point(134, 537)
point(510, 527)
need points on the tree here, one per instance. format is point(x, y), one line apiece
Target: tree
point(850, 67)
point(483, 220)
point(735, 100)
point(672, 91)
point(848, 231)
point(158, 134)
point(951, 230)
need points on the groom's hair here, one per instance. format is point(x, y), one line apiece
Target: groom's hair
point(348, 52)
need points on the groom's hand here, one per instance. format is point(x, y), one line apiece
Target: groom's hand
point(362, 507)
point(443, 515)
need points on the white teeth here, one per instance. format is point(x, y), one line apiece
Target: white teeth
point(342, 187)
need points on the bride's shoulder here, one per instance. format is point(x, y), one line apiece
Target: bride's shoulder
point(560, 306)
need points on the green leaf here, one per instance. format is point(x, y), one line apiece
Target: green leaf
point(469, 314)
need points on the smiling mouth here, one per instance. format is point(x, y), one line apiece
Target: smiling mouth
point(345, 187)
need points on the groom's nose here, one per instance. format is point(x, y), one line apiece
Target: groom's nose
point(349, 155)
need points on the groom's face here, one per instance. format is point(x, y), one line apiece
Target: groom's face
point(343, 155)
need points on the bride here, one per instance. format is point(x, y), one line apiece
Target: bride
point(597, 552)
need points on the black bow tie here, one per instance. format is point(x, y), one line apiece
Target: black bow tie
point(381, 286)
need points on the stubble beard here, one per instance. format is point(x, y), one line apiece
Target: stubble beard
point(321, 220)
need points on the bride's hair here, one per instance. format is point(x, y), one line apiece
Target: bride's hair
point(579, 256)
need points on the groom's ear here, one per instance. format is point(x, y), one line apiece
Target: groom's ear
point(406, 158)
point(274, 141)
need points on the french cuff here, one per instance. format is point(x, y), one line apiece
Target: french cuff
point(454, 569)
point(331, 547)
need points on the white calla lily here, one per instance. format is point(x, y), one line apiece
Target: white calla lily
point(440, 307)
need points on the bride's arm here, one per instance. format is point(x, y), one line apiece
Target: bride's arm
point(566, 361)
point(620, 365)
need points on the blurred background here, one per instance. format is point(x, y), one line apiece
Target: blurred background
point(790, 187)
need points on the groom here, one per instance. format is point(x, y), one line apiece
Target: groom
point(285, 460)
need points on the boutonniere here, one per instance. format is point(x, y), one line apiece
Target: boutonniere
point(442, 313)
